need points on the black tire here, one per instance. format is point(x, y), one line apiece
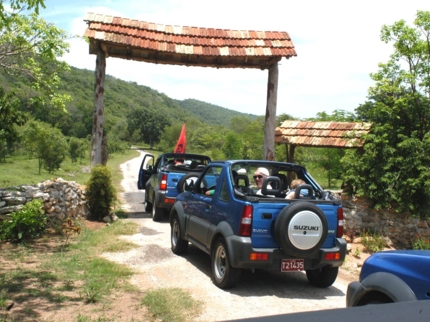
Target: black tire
point(179, 246)
point(301, 229)
point(375, 298)
point(157, 212)
point(187, 182)
point(148, 206)
point(322, 277)
point(223, 274)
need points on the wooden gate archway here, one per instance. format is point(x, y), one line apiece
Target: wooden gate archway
point(189, 46)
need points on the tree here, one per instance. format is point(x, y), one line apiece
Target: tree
point(48, 144)
point(30, 46)
point(149, 123)
point(393, 168)
point(232, 146)
point(77, 148)
point(328, 159)
point(9, 117)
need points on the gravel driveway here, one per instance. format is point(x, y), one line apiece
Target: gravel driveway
point(257, 294)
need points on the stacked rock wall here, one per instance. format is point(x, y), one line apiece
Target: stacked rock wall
point(61, 199)
point(400, 230)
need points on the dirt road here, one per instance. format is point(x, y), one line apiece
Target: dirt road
point(258, 294)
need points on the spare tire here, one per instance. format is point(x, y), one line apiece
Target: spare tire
point(301, 229)
point(186, 183)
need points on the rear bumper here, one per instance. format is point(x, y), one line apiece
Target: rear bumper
point(241, 248)
point(162, 201)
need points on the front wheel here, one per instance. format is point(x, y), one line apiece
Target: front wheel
point(223, 274)
point(322, 277)
point(375, 298)
point(179, 245)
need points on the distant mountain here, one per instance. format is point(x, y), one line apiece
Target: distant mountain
point(210, 113)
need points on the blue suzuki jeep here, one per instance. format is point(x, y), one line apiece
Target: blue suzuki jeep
point(246, 225)
point(392, 276)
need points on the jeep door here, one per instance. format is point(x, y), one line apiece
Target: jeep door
point(201, 207)
point(145, 171)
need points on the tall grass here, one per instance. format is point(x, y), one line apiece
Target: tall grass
point(20, 169)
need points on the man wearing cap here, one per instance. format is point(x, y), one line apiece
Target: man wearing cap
point(259, 175)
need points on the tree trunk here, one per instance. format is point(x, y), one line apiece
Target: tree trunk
point(97, 137)
point(105, 153)
point(270, 121)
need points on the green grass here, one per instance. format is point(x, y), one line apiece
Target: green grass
point(172, 304)
point(19, 169)
point(74, 267)
point(75, 272)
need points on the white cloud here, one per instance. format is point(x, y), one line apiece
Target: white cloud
point(337, 43)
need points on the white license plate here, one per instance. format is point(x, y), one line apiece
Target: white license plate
point(292, 265)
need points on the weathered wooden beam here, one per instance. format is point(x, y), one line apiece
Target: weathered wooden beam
point(270, 120)
point(290, 158)
point(98, 114)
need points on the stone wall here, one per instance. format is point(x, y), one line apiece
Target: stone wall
point(61, 199)
point(399, 230)
point(64, 199)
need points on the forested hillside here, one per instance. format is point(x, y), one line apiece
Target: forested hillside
point(121, 100)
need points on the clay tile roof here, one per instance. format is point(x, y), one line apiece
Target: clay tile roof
point(322, 134)
point(191, 46)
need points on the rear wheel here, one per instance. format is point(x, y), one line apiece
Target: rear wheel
point(322, 277)
point(157, 212)
point(179, 245)
point(223, 274)
point(148, 206)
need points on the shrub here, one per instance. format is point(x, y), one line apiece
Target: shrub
point(25, 224)
point(421, 243)
point(372, 241)
point(100, 193)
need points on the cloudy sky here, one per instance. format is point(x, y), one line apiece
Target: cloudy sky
point(337, 44)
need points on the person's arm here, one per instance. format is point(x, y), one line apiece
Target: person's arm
point(290, 195)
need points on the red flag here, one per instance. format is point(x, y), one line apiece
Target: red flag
point(182, 141)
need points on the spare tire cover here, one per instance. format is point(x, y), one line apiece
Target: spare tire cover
point(301, 229)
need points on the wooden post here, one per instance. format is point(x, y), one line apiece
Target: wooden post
point(98, 114)
point(290, 158)
point(270, 121)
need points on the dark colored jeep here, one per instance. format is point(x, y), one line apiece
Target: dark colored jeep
point(167, 176)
